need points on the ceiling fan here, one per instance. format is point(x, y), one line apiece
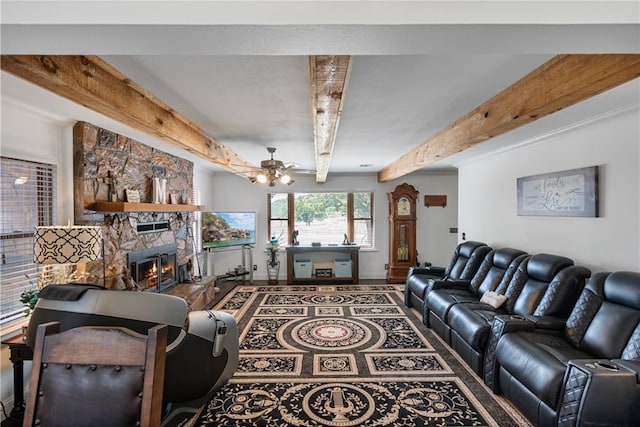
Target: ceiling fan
point(272, 171)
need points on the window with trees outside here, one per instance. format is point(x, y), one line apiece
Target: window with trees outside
point(27, 200)
point(322, 217)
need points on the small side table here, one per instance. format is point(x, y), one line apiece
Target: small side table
point(19, 352)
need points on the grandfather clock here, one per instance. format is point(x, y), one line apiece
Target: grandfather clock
point(402, 232)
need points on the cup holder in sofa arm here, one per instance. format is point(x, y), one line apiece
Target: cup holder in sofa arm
point(600, 364)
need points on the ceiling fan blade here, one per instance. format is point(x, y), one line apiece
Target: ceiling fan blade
point(290, 165)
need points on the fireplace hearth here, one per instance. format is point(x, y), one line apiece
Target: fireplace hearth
point(154, 269)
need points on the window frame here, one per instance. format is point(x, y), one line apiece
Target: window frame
point(351, 218)
point(290, 220)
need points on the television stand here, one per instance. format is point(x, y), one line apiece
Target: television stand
point(233, 276)
point(247, 263)
point(323, 253)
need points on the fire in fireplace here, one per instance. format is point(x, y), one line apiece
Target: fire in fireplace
point(154, 269)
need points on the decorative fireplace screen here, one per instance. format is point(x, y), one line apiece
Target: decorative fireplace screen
point(154, 269)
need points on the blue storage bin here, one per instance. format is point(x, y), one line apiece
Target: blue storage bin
point(342, 267)
point(302, 268)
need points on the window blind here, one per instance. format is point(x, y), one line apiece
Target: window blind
point(27, 200)
point(197, 222)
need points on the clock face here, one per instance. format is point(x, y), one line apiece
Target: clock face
point(404, 206)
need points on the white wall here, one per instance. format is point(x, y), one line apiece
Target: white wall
point(487, 196)
point(30, 135)
point(434, 242)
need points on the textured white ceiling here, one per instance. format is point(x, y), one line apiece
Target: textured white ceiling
point(241, 73)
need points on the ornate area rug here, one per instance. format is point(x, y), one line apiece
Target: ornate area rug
point(344, 356)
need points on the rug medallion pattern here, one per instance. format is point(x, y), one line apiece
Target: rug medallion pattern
point(340, 356)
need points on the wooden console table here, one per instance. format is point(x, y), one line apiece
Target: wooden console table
point(323, 252)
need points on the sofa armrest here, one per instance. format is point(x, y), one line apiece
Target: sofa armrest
point(630, 365)
point(449, 284)
point(548, 323)
point(460, 282)
point(428, 270)
point(501, 325)
point(418, 270)
point(435, 271)
point(600, 392)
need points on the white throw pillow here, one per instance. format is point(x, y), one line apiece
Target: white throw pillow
point(494, 299)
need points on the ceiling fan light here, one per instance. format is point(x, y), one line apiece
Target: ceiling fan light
point(262, 178)
point(285, 179)
point(272, 171)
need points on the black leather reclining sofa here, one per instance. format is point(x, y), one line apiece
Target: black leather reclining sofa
point(583, 371)
point(542, 285)
point(565, 353)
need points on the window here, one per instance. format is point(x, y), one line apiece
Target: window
point(322, 217)
point(27, 199)
point(279, 211)
point(362, 219)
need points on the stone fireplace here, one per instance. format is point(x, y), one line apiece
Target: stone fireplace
point(105, 166)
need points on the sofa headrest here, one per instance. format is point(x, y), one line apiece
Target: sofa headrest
point(544, 267)
point(465, 249)
point(623, 287)
point(503, 257)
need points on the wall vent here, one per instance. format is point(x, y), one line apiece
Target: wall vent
point(152, 227)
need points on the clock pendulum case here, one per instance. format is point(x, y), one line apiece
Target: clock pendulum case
point(402, 232)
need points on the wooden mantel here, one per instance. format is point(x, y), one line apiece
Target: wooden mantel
point(143, 207)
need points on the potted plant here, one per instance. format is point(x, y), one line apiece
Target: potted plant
point(273, 264)
point(29, 298)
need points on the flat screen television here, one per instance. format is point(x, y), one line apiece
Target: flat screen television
point(225, 229)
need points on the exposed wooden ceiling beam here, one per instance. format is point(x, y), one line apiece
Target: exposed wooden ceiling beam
point(328, 80)
point(89, 81)
point(561, 82)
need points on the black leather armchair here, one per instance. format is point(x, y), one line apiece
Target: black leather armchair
point(585, 372)
point(202, 346)
point(464, 263)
